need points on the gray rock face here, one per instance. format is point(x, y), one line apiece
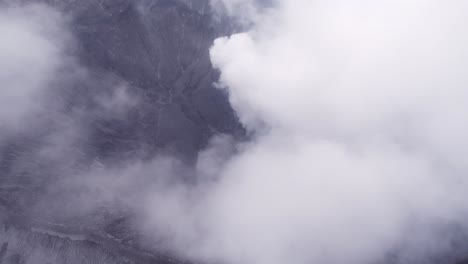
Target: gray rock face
point(158, 50)
point(41, 247)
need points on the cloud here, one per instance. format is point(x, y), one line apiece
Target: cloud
point(357, 110)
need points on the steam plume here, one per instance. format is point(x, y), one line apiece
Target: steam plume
point(358, 110)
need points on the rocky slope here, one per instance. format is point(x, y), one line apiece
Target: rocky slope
point(158, 50)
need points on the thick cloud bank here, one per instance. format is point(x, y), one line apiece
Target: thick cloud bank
point(359, 114)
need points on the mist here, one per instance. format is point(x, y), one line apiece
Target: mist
point(34, 41)
point(48, 103)
point(354, 148)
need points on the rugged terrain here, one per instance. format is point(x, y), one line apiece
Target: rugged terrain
point(158, 50)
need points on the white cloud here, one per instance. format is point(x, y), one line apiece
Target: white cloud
point(358, 114)
point(364, 105)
